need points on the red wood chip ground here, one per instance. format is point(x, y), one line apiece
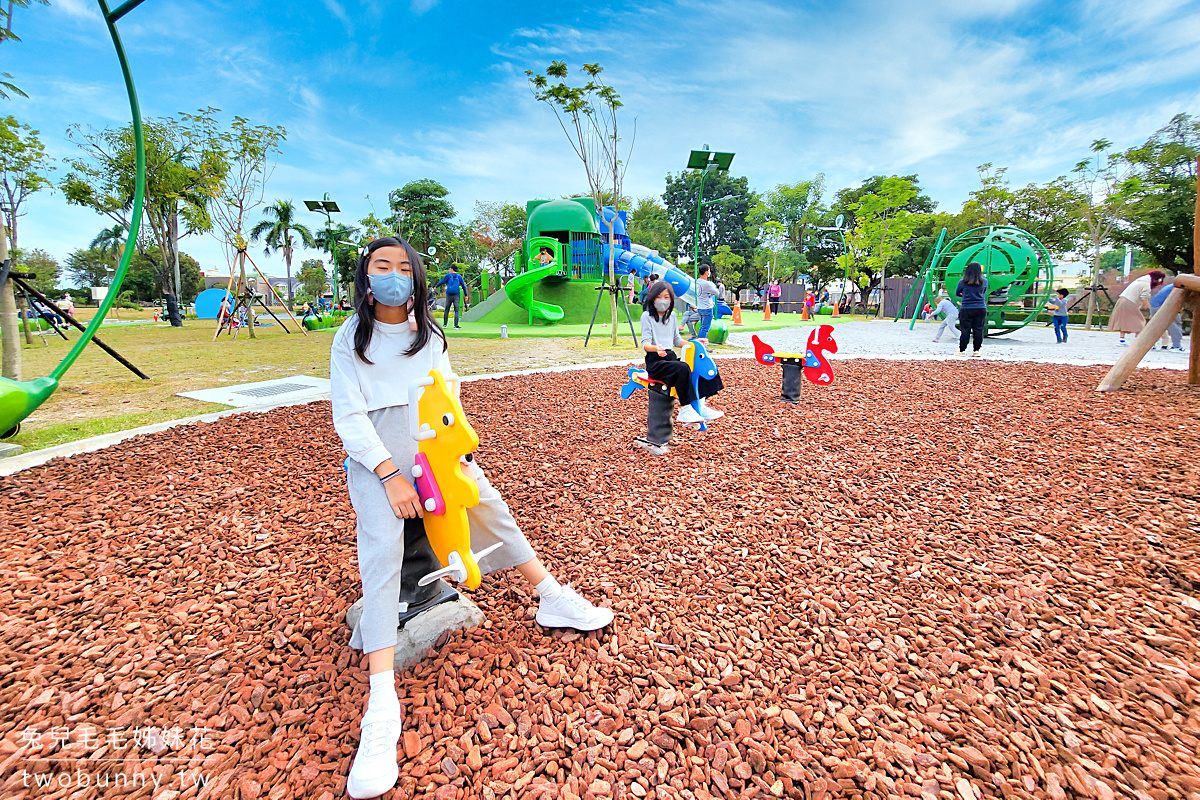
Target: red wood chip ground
point(929, 580)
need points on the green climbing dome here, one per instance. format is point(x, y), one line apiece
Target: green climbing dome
point(1018, 267)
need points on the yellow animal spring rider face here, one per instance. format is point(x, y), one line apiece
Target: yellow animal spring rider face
point(445, 442)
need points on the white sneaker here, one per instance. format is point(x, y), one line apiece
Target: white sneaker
point(1122, 343)
point(974, 354)
point(571, 610)
point(689, 416)
point(1178, 350)
point(375, 768)
point(710, 413)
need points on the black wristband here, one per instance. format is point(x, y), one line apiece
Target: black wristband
point(389, 476)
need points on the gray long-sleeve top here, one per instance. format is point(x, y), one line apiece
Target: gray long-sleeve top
point(663, 334)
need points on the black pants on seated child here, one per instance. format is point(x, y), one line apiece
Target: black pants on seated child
point(669, 369)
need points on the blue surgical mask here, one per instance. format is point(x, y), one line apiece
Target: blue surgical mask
point(391, 288)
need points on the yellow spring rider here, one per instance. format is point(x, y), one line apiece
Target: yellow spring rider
point(445, 442)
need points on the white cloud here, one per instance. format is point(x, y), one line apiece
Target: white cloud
point(339, 11)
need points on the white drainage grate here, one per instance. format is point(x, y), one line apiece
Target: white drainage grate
point(271, 391)
point(281, 391)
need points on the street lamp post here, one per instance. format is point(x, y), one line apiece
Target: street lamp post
point(326, 206)
point(707, 161)
point(837, 226)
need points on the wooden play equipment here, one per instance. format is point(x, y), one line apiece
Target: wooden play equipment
point(1186, 292)
point(245, 297)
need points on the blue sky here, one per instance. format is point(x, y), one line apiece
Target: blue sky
point(374, 93)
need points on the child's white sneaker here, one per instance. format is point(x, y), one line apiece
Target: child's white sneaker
point(571, 610)
point(689, 416)
point(375, 768)
point(710, 413)
point(1122, 343)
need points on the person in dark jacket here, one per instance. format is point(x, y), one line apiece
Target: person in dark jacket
point(972, 317)
point(454, 286)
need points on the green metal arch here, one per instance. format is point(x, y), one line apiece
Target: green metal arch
point(19, 399)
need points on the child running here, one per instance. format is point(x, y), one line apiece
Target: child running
point(660, 333)
point(390, 342)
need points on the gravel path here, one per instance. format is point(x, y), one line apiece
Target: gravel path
point(981, 586)
point(887, 339)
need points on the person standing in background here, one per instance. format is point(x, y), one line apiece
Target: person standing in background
point(454, 286)
point(706, 295)
point(1127, 315)
point(774, 292)
point(1059, 306)
point(1175, 330)
point(972, 315)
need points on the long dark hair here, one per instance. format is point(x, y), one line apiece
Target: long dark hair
point(973, 274)
point(365, 327)
point(653, 292)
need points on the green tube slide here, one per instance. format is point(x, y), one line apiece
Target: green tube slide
point(520, 292)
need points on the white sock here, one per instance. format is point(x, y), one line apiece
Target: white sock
point(549, 589)
point(383, 690)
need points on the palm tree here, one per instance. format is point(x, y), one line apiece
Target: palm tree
point(276, 231)
point(111, 242)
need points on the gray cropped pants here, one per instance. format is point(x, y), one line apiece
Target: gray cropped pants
point(381, 533)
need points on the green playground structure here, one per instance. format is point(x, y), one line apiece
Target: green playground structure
point(563, 260)
point(1019, 271)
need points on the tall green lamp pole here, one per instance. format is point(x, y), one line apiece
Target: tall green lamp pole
point(326, 206)
point(707, 161)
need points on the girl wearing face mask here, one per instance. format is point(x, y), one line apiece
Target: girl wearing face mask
point(660, 333)
point(390, 342)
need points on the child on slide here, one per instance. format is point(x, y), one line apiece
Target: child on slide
point(660, 333)
point(391, 341)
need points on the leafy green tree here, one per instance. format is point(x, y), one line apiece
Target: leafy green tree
point(375, 228)
point(276, 231)
point(343, 257)
point(149, 273)
point(728, 266)
point(1159, 215)
point(6, 34)
point(43, 266)
point(883, 225)
point(421, 213)
point(1114, 260)
point(184, 167)
point(992, 202)
point(498, 228)
point(845, 199)
point(89, 267)
point(587, 115)
point(313, 278)
point(1102, 186)
point(720, 223)
point(245, 150)
point(650, 226)
point(24, 170)
point(796, 206)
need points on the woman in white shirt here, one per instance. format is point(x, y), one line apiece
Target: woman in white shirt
point(391, 341)
point(1126, 315)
